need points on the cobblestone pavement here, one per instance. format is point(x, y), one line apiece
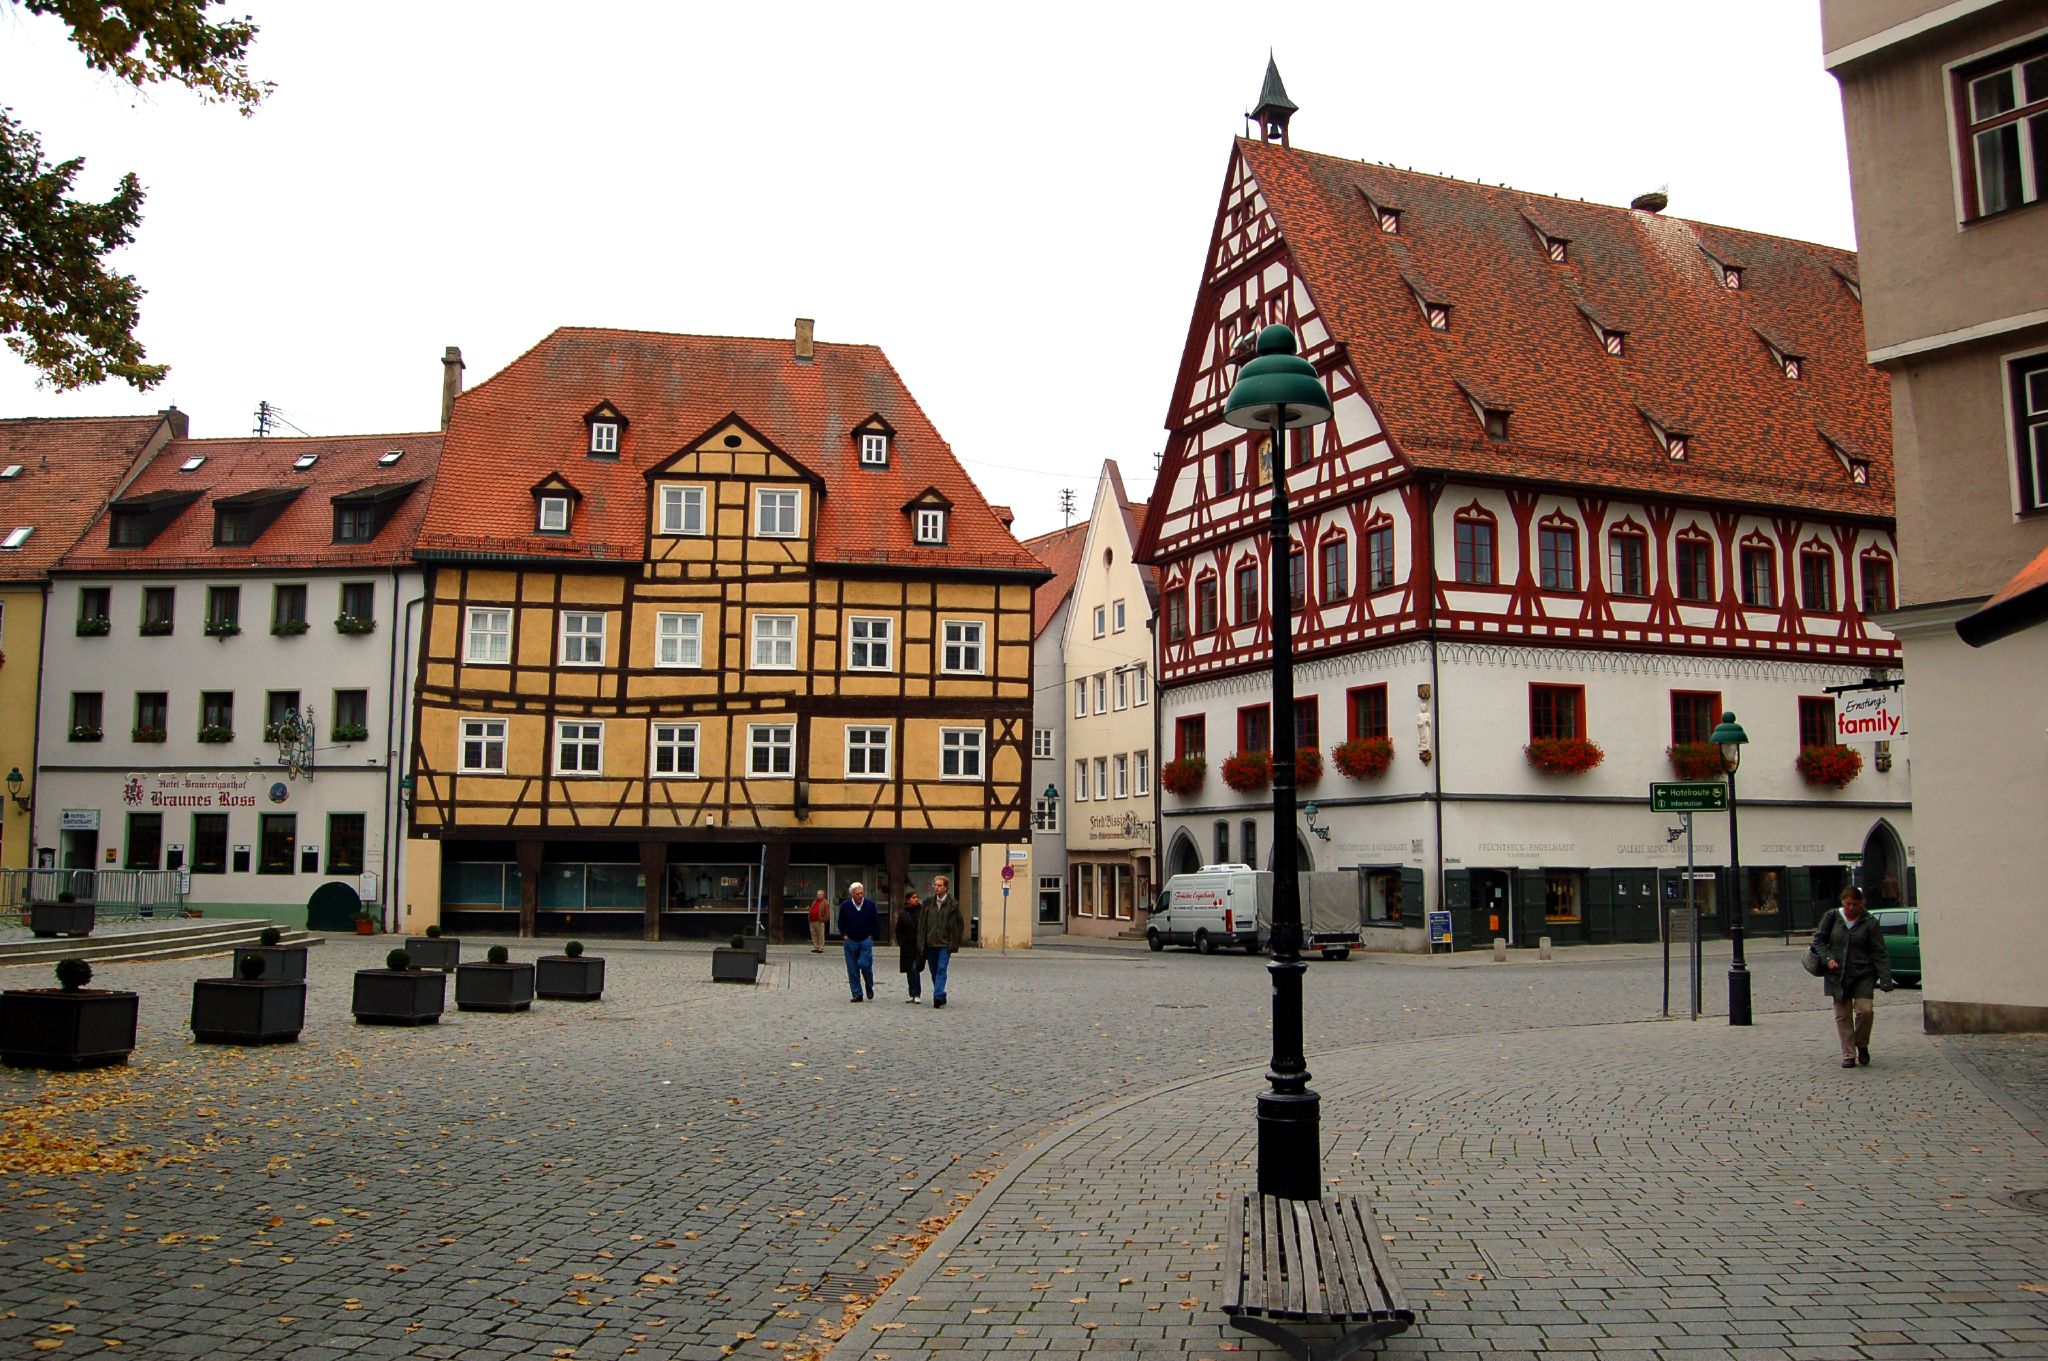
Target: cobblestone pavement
point(686, 1168)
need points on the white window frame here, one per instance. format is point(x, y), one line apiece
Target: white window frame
point(679, 639)
point(874, 449)
point(1101, 777)
point(676, 740)
point(1101, 620)
point(604, 437)
point(489, 734)
point(869, 748)
point(761, 637)
point(577, 641)
point(958, 637)
point(480, 626)
point(1123, 775)
point(1141, 773)
point(2029, 478)
point(1140, 694)
point(1119, 617)
point(584, 741)
point(1080, 781)
point(787, 499)
point(1102, 692)
point(1081, 698)
point(1041, 744)
point(766, 739)
point(553, 517)
point(870, 632)
point(960, 748)
point(1123, 689)
point(678, 501)
point(931, 525)
point(1045, 818)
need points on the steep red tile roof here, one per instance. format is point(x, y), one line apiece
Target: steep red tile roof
point(69, 470)
point(1520, 337)
point(1060, 551)
point(528, 421)
point(302, 536)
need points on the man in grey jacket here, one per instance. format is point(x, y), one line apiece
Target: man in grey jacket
point(942, 931)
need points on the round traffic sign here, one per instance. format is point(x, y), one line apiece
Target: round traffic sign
point(1009, 873)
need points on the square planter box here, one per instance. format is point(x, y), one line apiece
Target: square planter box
point(759, 945)
point(734, 966)
point(493, 987)
point(399, 997)
point(435, 952)
point(248, 1011)
point(51, 1028)
point(60, 919)
point(281, 963)
point(561, 978)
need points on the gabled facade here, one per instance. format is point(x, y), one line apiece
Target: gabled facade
point(1944, 105)
point(1060, 551)
point(225, 685)
point(1110, 732)
point(55, 477)
point(714, 623)
point(1573, 491)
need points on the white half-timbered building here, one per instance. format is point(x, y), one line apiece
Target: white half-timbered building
point(1595, 475)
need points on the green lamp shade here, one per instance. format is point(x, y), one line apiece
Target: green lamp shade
point(1729, 733)
point(1278, 386)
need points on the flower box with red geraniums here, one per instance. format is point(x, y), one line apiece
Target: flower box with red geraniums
point(1834, 766)
point(1184, 776)
point(1564, 755)
point(1364, 758)
point(1696, 760)
point(1308, 768)
point(1248, 771)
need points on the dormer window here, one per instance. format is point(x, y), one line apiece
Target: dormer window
point(232, 527)
point(1849, 282)
point(554, 504)
point(928, 512)
point(1492, 414)
point(1674, 447)
point(1558, 250)
point(1390, 221)
point(1438, 314)
point(1731, 277)
point(606, 426)
point(1675, 444)
point(1853, 463)
point(873, 437)
point(1614, 342)
point(931, 526)
point(241, 519)
point(360, 515)
point(1789, 364)
point(554, 515)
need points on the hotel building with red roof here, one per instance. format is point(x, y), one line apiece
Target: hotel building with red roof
point(713, 623)
point(1595, 475)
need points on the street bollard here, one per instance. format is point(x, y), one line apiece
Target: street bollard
point(1500, 950)
point(1542, 947)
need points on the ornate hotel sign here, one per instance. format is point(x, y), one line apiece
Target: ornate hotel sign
point(194, 789)
point(1120, 827)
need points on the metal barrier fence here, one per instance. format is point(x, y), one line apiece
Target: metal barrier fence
point(117, 893)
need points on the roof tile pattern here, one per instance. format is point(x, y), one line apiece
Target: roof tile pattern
point(528, 421)
point(1520, 334)
point(69, 469)
point(302, 536)
point(1060, 551)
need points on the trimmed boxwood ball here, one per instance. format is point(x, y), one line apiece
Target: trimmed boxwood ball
point(252, 967)
point(738, 941)
point(271, 936)
point(433, 933)
point(73, 974)
point(574, 949)
point(398, 961)
point(498, 954)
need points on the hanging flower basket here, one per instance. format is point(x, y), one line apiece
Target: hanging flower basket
point(1184, 776)
point(1364, 758)
point(1563, 755)
point(1696, 760)
point(1248, 771)
point(1308, 768)
point(1832, 766)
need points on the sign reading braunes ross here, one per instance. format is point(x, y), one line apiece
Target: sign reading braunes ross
point(192, 789)
point(1867, 716)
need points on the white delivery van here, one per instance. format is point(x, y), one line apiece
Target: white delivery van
point(1216, 906)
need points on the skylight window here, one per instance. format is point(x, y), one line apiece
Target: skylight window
point(385, 460)
point(17, 537)
point(305, 461)
point(191, 465)
point(10, 472)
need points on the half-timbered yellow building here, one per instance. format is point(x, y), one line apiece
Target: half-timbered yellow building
point(712, 624)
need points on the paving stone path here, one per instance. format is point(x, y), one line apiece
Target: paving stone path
point(687, 1169)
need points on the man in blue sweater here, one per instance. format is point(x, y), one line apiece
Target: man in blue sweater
point(858, 923)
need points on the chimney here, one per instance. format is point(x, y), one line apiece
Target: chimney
point(803, 339)
point(181, 424)
point(451, 381)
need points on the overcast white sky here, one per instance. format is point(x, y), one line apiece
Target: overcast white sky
point(1012, 201)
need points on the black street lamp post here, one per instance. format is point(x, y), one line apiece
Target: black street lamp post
point(1730, 738)
point(1278, 391)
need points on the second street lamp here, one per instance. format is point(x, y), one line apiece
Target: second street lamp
point(1730, 738)
point(1278, 391)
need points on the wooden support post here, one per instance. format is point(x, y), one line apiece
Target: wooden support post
point(529, 884)
point(776, 868)
point(654, 870)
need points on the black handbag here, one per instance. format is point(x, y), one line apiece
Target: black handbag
point(1815, 962)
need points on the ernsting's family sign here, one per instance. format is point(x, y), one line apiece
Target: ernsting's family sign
point(1870, 716)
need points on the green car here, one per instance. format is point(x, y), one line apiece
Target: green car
point(1901, 941)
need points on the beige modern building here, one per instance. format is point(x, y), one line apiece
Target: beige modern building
point(1947, 113)
point(1111, 722)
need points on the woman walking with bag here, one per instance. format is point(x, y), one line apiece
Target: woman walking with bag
point(1850, 944)
point(910, 946)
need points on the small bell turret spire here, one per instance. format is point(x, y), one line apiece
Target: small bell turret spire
point(1274, 107)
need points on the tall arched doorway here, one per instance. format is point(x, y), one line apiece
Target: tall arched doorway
point(1183, 858)
point(1303, 860)
point(1882, 875)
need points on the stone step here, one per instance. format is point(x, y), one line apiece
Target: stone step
point(199, 936)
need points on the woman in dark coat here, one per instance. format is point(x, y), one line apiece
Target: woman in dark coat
point(1852, 943)
point(910, 947)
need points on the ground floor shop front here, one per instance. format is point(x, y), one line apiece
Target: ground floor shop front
point(703, 888)
point(1575, 872)
point(1111, 892)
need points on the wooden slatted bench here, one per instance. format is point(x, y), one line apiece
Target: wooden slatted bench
point(1312, 1261)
